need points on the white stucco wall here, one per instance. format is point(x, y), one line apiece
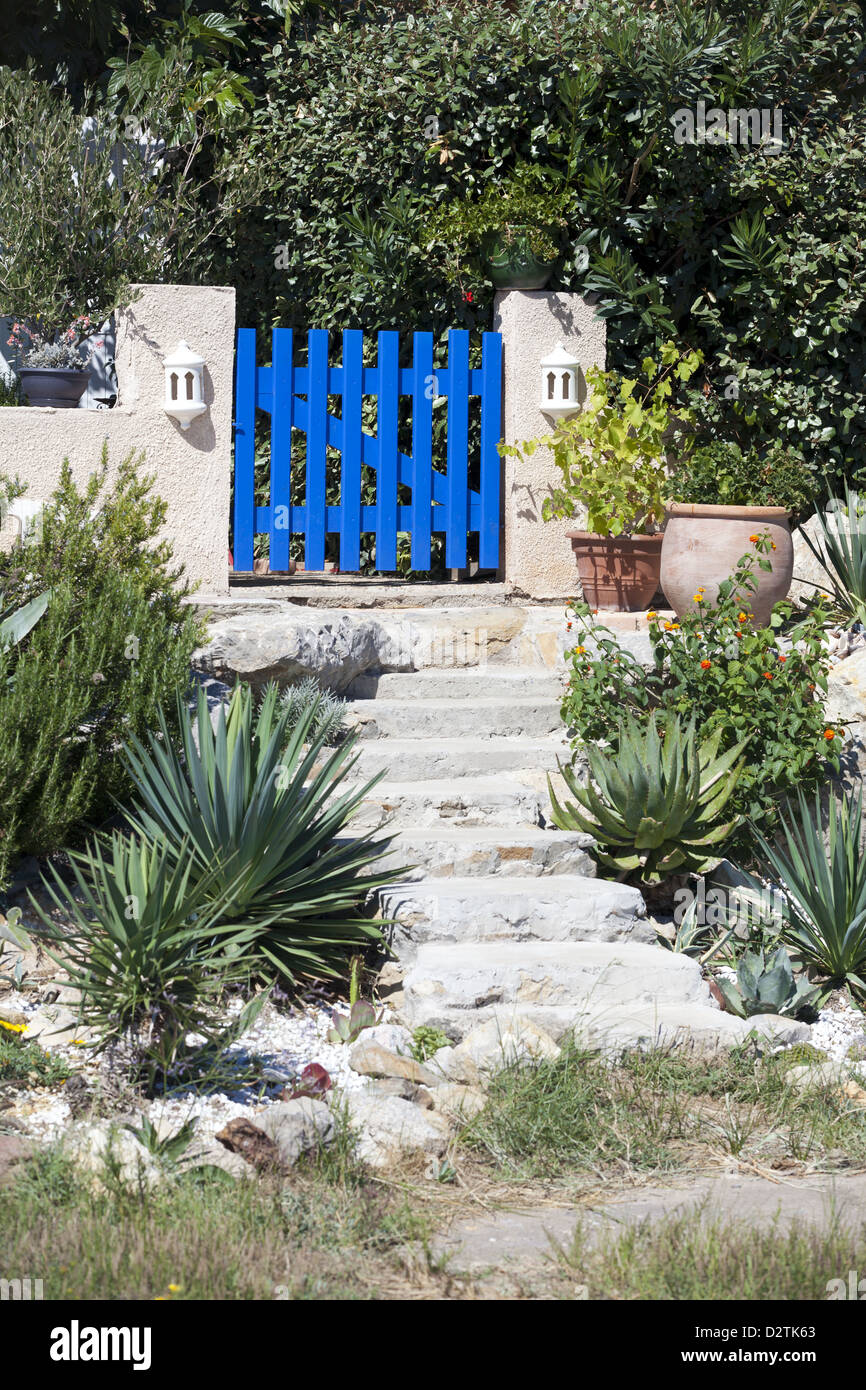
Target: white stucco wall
point(192, 467)
point(538, 560)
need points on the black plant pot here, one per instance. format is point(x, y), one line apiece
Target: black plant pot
point(61, 387)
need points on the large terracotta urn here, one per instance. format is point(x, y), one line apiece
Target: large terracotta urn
point(704, 542)
point(617, 573)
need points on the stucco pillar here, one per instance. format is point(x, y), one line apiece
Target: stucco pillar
point(192, 467)
point(538, 560)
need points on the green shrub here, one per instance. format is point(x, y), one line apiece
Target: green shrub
point(611, 454)
point(660, 807)
point(722, 473)
point(714, 667)
point(113, 644)
point(268, 813)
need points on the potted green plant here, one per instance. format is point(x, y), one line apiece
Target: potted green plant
point(611, 455)
point(512, 231)
point(719, 499)
point(53, 370)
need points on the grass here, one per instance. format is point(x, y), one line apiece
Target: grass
point(24, 1063)
point(326, 1233)
point(687, 1257)
point(660, 1112)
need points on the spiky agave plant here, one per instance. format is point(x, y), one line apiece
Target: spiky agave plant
point(657, 805)
point(263, 805)
point(823, 898)
point(841, 553)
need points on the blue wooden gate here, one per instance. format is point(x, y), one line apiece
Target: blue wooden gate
point(297, 399)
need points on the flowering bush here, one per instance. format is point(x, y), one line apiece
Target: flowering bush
point(37, 348)
point(715, 666)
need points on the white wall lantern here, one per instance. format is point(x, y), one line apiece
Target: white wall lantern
point(184, 384)
point(559, 383)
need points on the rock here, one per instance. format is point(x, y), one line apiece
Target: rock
point(96, 1146)
point(389, 1127)
point(504, 1042)
point(56, 1025)
point(369, 1059)
point(781, 1032)
point(395, 1086)
point(11, 1013)
point(215, 1155)
point(818, 1074)
point(389, 984)
point(452, 1064)
point(393, 1036)
point(14, 1150)
point(241, 1136)
point(461, 1101)
point(297, 1126)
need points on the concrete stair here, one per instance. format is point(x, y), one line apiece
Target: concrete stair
point(498, 913)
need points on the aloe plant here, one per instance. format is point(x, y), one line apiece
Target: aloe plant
point(657, 805)
point(841, 553)
point(15, 623)
point(260, 803)
point(767, 985)
point(823, 903)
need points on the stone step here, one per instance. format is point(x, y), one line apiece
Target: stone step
point(460, 683)
point(563, 907)
point(454, 801)
point(554, 983)
point(415, 759)
point(409, 717)
point(482, 851)
point(696, 1027)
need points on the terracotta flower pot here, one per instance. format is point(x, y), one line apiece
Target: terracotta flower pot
point(702, 544)
point(619, 573)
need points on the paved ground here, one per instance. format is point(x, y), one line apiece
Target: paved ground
point(520, 1239)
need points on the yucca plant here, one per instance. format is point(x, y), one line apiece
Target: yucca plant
point(822, 905)
point(148, 946)
point(766, 984)
point(657, 805)
point(262, 809)
point(841, 553)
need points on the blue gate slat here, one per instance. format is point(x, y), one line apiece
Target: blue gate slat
point(441, 503)
point(383, 451)
point(491, 463)
point(281, 448)
point(423, 389)
point(350, 473)
point(245, 449)
point(457, 449)
point(317, 434)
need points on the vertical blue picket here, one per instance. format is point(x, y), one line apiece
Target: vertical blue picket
point(350, 475)
point(317, 435)
point(491, 463)
point(281, 448)
point(458, 448)
point(386, 430)
point(245, 449)
point(423, 390)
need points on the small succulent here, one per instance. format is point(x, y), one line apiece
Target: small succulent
point(345, 1028)
point(658, 808)
point(766, 985)
point(13, 934)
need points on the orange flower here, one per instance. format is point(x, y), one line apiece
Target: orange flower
point(782, 658)
point(742, 617)
point(705, 665)
point(829, 735)
point(773, 544)
point(579, 651)
point(754, 539)
point(697, 597)
point(651, 614)
point(672, 627)
point(767, 676)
